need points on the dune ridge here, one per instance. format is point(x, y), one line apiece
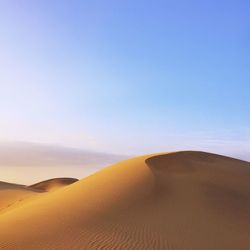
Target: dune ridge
point(13, 195)
point(52, 184)
point(181, 200)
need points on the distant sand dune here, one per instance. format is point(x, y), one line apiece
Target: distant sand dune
point(177, 201)
point(53, 184)
point(14, 195)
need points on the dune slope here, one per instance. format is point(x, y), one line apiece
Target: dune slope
point(183, 200)
point(11, 195)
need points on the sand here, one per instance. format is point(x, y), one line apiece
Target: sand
point(182, 200)
point(13, 195)
point(52, 184)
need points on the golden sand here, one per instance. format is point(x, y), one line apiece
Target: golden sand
point(176, 201)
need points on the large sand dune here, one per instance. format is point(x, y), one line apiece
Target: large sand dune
point(183, 200)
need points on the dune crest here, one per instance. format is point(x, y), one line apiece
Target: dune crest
point(182, 200)
point(53, 184)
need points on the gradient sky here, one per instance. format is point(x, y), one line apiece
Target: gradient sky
point(126, 77)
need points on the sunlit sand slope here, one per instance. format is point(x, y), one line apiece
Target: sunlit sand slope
point(184, 200)
point(12, 195)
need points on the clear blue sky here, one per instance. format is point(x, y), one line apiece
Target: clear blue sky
point(128, 77)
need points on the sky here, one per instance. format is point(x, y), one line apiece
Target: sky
point(126, 77)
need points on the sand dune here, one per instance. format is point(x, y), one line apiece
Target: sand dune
point(183, 200)
point(11, 195)
point(14, 195)
point(53, 184)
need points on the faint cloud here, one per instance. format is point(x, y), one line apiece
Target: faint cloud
point(35, 154)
